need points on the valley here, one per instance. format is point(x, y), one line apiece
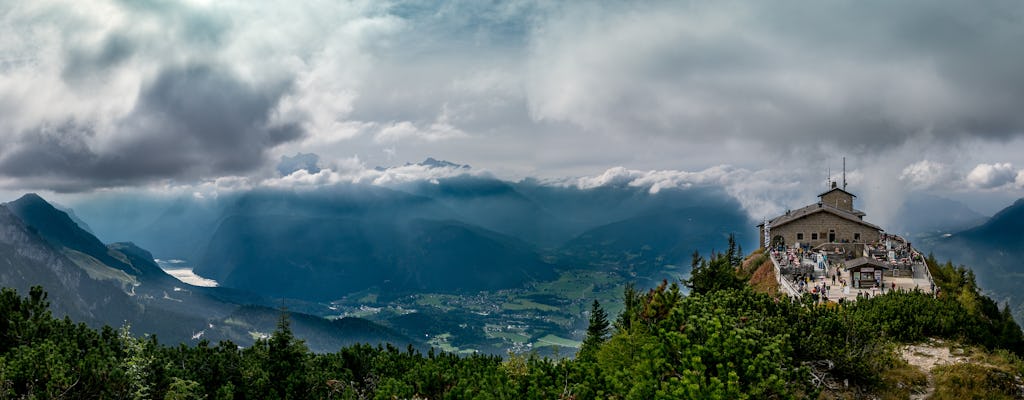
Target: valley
point(547, 317)
point(467, 263)
point(429, 264)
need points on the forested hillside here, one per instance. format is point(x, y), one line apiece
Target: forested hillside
point(723, 340)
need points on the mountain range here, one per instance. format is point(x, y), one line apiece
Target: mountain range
point(923, 215)
point(119, 283)
point(304, 248)
point(994, 251)
point(459, 234)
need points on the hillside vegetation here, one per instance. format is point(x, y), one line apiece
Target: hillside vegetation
point(723, 340)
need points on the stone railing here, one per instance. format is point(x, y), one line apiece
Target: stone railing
point(784, 283)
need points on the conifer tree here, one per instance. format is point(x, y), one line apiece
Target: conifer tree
point(631, 303)
point(287, 360)
point(597, 331)
point(713, 275)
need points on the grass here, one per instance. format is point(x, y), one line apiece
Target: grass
point(579, 284)
point(433, 300)
point(522, 304)
point(236, 322)
point(973, 381)
point(987, 375)
point(509, 336)
point(370, 298)
point(763, 279)
point(362, 313)
point(552, 340)
point(98, 270)
point(902, 380)
point(441, 342)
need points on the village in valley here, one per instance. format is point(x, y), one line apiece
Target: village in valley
point(829, 251)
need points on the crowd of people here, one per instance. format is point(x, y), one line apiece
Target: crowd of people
point(821, 273)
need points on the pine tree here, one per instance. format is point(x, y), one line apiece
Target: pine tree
point(716, 274)
point(631, 304)
point(137, 364)
point(599, 327)
point(597, 332)
point(287, 360)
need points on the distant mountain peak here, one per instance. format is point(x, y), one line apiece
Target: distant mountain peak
point(34, 205)
point(435, 163)
point(32, 199)
point(58, 228)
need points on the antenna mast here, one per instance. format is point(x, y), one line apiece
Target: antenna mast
point(844, 172)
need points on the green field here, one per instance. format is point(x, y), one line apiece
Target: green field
point(370, 298)
point(509, 336)
point(552, 340)
point(523, 304)
point(581, 284)
point(433, 300)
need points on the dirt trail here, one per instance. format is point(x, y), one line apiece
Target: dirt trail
point(927, 356)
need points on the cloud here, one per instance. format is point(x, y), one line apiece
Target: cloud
point(354, 171)
point(126, 93)
point(113, 93)
point(404, 131)
point(925, 174)
point(190, 122)
point(300, 161)
point(761, 193)
point(990, 176)
point(865, 76)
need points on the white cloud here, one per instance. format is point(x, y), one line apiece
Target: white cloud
point(925, 174)
point(439, 130)
point(354, 171)
point(990, 176)
point(761, 193)
point(327, 82)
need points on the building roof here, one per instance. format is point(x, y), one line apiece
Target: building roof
point(812, 209)
point(858, 263)
point(834, 189)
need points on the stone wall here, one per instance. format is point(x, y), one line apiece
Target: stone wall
point(838, 200)
point(823, 224)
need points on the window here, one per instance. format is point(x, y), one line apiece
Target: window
point(800, 236)
point(856, 236)
point(814, 236)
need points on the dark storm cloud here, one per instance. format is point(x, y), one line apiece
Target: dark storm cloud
point(130, 92)
point(86, 62)
point(866, 75)
point(190, 122)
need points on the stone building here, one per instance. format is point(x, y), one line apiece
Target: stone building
point(831, 220)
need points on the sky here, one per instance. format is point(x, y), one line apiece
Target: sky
point(763, 98)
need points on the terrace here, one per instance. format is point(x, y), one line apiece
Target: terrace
point(838, 273)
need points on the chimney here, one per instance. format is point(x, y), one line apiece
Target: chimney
point(833, 185)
